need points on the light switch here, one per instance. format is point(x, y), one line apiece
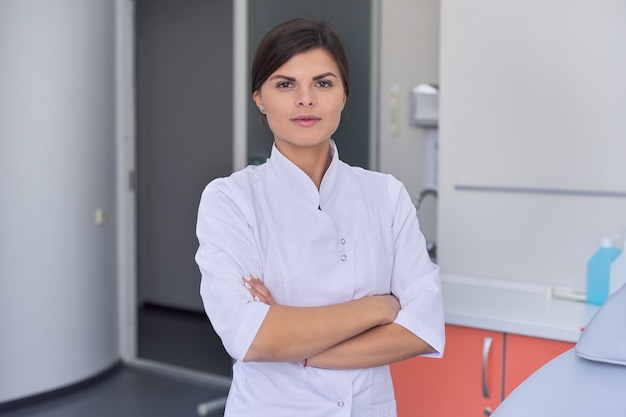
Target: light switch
point(99, 216)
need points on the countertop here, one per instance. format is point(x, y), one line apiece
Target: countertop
point(519, 308)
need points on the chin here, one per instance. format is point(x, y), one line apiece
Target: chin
point(305, 142)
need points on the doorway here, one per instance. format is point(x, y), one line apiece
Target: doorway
point(183, 90)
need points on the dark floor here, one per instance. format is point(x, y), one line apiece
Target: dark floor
point(173, 337)
point(127, 392)
point(181, 338)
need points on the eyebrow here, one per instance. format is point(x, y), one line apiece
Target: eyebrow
point(317, 77)
point(324, 75)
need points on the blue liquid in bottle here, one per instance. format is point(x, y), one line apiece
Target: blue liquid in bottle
point(599, 272)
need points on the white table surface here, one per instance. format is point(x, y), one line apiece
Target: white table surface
point(517, 308)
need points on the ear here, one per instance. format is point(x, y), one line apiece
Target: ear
point(256, 96)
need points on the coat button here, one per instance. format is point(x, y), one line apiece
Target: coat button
point(344, 257)
point(343, 241)
point(340, 404)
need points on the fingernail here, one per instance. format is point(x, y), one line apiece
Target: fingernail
point(256, 298)
point(247, 277)
point(247, 285)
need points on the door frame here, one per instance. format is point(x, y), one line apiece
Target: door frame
point(126, 165)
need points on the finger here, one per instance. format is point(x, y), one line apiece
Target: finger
point(256, 295)
point(260, 287)
point(246, 283)
point(258, 290)
point(260, 297)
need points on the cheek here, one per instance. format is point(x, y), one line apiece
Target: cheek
point(277, 106)
point(274, 107)
point(276, 121)
point(337, 110)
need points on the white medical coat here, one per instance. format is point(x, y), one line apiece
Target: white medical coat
point(357, 236)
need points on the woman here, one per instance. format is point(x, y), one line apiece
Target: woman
point(315, 274)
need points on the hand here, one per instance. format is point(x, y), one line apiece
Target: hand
point(258, 290)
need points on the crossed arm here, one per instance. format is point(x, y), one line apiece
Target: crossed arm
point(355, 334)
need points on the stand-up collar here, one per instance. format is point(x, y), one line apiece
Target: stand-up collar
point(298, 181)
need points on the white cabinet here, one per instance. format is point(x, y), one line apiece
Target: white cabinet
point(532, 147)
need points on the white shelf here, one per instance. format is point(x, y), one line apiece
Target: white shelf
point(513, 307)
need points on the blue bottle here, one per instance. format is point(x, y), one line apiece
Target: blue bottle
point(599, 271)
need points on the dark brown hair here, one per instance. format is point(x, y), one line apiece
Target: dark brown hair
point(291, 38)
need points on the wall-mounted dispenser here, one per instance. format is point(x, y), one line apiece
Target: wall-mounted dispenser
point(425, 105)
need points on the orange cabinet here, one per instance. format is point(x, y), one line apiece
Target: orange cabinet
point(467, 381)
point(479, 368)
point(524, 355)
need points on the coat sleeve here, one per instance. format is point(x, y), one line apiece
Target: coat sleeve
point(226, 252)
point(415, 279)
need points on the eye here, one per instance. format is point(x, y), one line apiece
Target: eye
point(284, 84)
point(324, 83)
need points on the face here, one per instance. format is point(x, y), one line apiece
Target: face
point(303, 100)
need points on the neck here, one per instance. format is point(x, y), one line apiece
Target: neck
point(314, 161)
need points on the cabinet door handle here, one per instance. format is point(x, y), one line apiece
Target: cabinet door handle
point(486, 349)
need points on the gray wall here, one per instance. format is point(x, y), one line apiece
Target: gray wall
point(58, 304)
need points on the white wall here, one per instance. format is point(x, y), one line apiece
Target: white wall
point(533, 96)
point(409, 55)
point(58, 303)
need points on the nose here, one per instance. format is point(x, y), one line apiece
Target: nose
point(306, 99)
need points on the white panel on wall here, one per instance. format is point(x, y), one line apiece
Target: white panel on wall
point(537, 91)
point(58, 304)
point(532, 136)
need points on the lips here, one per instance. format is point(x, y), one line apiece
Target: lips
point(306, 120)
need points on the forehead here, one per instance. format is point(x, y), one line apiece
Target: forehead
point(313, 62)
